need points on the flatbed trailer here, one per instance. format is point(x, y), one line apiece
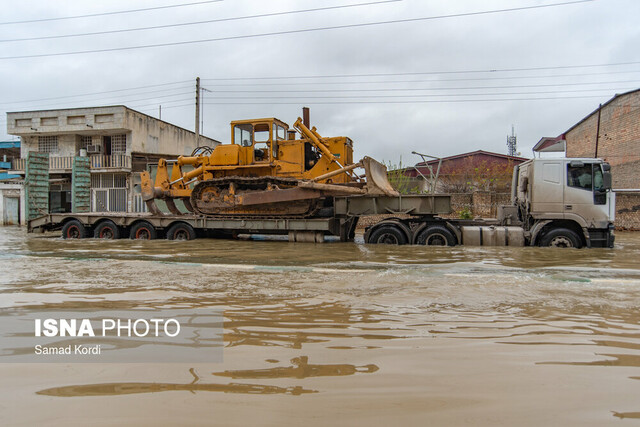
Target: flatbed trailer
point(406, 219)
point(341, 222)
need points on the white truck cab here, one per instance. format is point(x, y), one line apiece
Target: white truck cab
point(563, 202)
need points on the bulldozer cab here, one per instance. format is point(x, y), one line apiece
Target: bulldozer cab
point(258, 139)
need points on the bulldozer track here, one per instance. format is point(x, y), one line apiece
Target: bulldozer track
point(266, 211)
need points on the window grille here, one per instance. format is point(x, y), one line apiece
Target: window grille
point(85, 141)
point(48, 144)
point(118, 144)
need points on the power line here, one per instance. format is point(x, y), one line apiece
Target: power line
point(116, 101)
point(285, 32)
point(109, 13)
point(416, 73)
point(412, 96)
point(405, 102)
point(421, 89)
point(437, 80)
point(263, 15)
point(94, 93)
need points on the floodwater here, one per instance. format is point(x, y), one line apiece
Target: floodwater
point(340, 333)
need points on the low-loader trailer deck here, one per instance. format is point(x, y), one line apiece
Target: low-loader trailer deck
point(555, 202)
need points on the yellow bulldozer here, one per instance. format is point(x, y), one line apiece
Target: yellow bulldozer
point(265, 171)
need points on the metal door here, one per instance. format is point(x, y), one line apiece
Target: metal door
point(11, 214)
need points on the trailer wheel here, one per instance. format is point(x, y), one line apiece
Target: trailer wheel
point(181, 231)
point(74, 229)
point(107, 230)
point(436, 235)
point(561, 238)
point(387, 234)
point(142, 231)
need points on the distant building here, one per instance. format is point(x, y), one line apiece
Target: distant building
point(11, 191)
point(119, 142)
point(479, 170)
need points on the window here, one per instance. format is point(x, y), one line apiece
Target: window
point(118, 144)
point(242, 135)
point(85, 141)
point(48, 144)
point(580, 177)
point(262, 133)
point(278, 135)
point(598, 180)
point(278, 132)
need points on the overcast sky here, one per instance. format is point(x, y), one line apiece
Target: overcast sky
point(440, 86)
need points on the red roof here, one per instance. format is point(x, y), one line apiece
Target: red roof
point(474, 153)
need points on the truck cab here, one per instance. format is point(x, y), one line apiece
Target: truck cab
point(565, 202)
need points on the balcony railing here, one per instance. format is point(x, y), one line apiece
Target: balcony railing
point(114, 161)
point(19, 164)
point(98, 161)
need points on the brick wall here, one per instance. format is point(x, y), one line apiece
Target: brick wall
point(627, 211)
point(619, 140)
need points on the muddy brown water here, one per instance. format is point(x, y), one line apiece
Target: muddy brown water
point(340, 333)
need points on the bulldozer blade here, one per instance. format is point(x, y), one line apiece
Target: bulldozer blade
point(151, 206)
point(377, 181)
point(187, 205)
point(171, 205)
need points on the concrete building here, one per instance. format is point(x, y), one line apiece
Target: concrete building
point(119, 142)
point(11, 190)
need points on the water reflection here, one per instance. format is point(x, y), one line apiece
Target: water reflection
point(300, 369)
point(417, 316)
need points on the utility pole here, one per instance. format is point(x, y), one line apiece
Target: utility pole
point(197, 111)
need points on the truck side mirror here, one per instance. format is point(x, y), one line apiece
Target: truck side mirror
point(606, 180)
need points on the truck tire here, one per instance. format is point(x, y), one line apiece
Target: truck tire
point(107, 230)
point(142, 231)
point(181, 231)
point(74, 229)
point(561, 238)
point(388, 234)
point(436, 235)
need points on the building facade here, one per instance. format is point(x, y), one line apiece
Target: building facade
point(119, 142)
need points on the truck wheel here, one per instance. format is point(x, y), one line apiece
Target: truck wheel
point(142, 231)
point(561, 238)
point(107, 230)
point(436, 235)
point(181, 231)
point(74, 230)
point(388, 234)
